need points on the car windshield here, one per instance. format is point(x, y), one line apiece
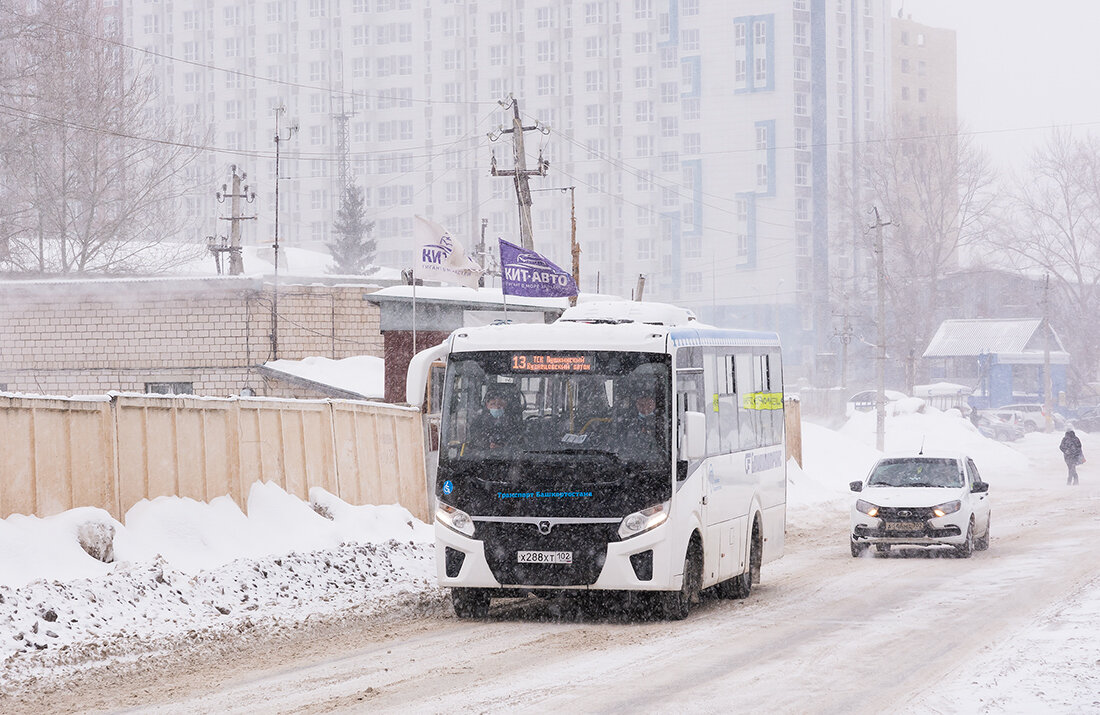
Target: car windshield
point(906, 472)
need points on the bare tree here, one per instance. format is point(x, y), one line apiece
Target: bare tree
point(93, 177)
point(1053, 227)
point(936, 190)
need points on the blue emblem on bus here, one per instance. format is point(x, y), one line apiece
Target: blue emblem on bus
point(448, 487)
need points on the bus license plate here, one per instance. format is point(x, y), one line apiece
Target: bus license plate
point(544, 557)
point(904, 526)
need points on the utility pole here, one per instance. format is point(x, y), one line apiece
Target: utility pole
point(844, 334)
point(236, 261)
point(520, 172)
point(1048, 387)
point(481, 253)
point(574, 247)
point(279, 139)
point(880, 318)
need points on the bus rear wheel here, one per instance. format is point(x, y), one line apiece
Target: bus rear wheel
point(677, 604)
point(470, 602)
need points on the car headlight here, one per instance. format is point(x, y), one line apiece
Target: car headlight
point(455, 519)
point(947, 508)
point(642, 521)
point(866, 507)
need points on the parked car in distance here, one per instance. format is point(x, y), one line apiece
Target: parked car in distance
point(865, 401)
point(925, 500)
point(1088, 420)
point(1001, 425)
point(1034, 416)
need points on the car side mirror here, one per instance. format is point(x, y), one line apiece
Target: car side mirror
point(980, 488)
point(855, 486)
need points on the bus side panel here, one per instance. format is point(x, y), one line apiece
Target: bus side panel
point(775, 520)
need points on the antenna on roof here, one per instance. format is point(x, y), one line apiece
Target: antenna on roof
point(922, 438)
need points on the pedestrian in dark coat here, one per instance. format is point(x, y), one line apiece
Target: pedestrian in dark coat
point(1074, 455)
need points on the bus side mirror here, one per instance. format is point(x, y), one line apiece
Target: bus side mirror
point(695, 436)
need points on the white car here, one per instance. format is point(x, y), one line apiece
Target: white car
point(926, 499)
point(1034, 416)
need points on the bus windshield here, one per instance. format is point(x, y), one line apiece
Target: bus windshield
point(522, 404)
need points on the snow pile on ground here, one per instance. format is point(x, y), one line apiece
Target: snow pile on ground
point(184, 567)
point(362, 374)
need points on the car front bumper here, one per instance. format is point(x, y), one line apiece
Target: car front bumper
point(947, 530)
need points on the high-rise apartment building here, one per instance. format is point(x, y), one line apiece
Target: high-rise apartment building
point(702, 136)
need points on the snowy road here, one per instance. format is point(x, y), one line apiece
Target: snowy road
point(823, 633)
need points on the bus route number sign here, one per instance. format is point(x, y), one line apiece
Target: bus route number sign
point(550, 362)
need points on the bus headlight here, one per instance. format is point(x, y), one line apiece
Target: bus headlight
point(642, 521)
point(455, 519)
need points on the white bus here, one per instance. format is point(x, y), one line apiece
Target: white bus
point(575, 488)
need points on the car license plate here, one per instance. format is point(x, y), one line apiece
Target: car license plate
point(905, 526)
point(544, 557)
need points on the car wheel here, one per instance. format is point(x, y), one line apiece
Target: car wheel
point(981, 544)
point(678, 603)
point(470, 602)
point(966, 548)
point(858, 549)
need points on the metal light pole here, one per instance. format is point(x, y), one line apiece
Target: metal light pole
point(574, 247)
point(279, 138)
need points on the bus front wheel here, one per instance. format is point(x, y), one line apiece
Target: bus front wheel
point(470, 602)
point(678, 603)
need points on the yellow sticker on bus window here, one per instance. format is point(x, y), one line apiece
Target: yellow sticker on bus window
point(762, 401)
point(715, 400)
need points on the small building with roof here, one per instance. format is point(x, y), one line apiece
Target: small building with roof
point(1003, 361)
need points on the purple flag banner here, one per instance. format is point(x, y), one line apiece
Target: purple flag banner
point(526, 273)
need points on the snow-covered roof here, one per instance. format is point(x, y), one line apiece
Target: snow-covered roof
point(966, 338)
point(940, 389)
point(361, 376)
point(628, 311)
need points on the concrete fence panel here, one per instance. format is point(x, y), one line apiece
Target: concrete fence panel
point(60, 453)
point(56, 454)
point(373, 444)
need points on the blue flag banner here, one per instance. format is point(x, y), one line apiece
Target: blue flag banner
point(526, 273)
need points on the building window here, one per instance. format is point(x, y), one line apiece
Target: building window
point(761, 137)
point(498, 55)
point(594, 116)
point(643, 77)
point(546, 51)
point(165, 388)
point(802, 209)
point(544, 17)
point(498, 22)
point(801, 68)
point(689, 40)
point(546, 85)
point(643, 9)
point(593, 13)
point(801, 141)
point(643, 43)
point(643, 111)
point(593, 81)
point(800, 104)
point(669, 127)
point(689, 109)
point(922, 95)
point(905, 66)
point(693, 282)
point(692, 143)
point(594, 47)
point(905, 93)
point(801, 33)
point(802, 174)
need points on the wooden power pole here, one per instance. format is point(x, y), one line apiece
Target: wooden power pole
point(520, 172)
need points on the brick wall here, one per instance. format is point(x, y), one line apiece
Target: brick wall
point(95, 336)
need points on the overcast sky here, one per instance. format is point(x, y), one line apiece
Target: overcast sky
point(1023, 66)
